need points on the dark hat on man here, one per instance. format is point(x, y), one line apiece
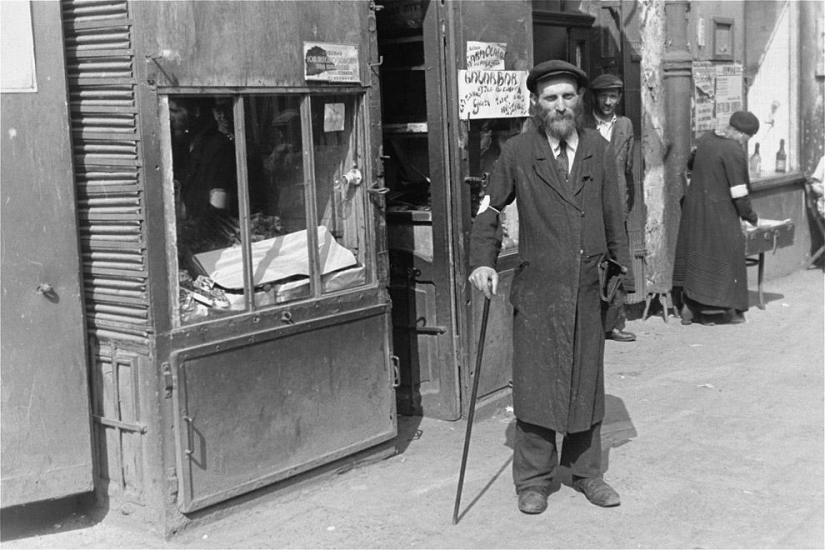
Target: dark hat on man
point(606, 82)
point(745, 121)
point(555, 67)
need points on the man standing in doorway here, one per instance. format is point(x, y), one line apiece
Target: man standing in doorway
point(618, 131)
point(570, 223)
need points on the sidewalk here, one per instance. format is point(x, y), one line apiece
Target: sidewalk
point(714, 439)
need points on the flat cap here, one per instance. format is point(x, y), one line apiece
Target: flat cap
point(555, 67)
point(606, 82)
point(745, 121)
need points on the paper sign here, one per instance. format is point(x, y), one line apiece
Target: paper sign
point(330, 62)
point(704, 84)
point(492, 94)
point(728, 92)
point(486, 55)
point(334, 117)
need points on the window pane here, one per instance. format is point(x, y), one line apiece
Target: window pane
point(277, 206)
point(206, 206)
point(339, 192)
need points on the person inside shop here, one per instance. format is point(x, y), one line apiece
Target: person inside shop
point(606, 90)
point(571, 221)
point(209, 179)
point(710, 249)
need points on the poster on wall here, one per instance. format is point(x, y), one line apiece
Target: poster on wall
point(492, 94)
point(704, 84)
point(728, 92)
point(331, 62)
point(486, 55)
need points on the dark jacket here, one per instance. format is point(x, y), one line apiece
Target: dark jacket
point(710, 249)
point(564, 231)
point(621, 144)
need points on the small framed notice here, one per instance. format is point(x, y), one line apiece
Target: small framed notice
point(331, 62)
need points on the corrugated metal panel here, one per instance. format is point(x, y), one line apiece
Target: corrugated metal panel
point(106, 148)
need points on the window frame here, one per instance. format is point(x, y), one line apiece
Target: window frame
point(360, 152)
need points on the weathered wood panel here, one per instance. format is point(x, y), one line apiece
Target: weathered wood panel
point(254, 43)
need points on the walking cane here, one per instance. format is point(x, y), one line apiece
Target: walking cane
point(477, 375)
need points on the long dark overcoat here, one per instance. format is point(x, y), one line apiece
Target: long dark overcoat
point(565, 228)
point(710, 249)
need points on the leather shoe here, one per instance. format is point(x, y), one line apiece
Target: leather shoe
point(620, 335)
point(736, 318)
point(532, 500)
point(597, 491)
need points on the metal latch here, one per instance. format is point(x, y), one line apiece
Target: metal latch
point(396, 371)
point(168, 380)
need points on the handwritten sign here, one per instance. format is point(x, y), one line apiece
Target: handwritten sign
point(330, 62)
point(492, 94)
point(486, 55)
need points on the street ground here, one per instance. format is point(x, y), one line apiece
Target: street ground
point(713, 438)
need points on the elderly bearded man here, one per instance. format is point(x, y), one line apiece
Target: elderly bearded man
point(570, 219)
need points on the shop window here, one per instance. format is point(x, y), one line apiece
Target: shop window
point(269, 205)
point(772, 64)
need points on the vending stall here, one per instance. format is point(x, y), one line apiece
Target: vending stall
point(225, 158)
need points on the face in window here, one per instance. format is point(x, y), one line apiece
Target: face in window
point(180, 116)
point(557, 105)
point(222, 113)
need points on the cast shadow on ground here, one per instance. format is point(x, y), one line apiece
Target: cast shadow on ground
point(408, 431)
point(48, 517)
point(753, 298)
point(617, 429)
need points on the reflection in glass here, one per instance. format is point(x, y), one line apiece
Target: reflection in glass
point(206, 207)
point(212, 257)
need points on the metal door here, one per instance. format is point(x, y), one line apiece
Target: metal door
point(475, 145)
point(46, 440)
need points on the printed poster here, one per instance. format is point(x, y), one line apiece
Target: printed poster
point(331, 62)
point(728, 92)
point(704, 93)
point(486, 55)
point(492, 94)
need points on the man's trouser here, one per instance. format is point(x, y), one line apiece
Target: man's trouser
point(536, 459)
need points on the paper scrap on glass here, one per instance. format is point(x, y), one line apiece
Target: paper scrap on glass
point(334, 117)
